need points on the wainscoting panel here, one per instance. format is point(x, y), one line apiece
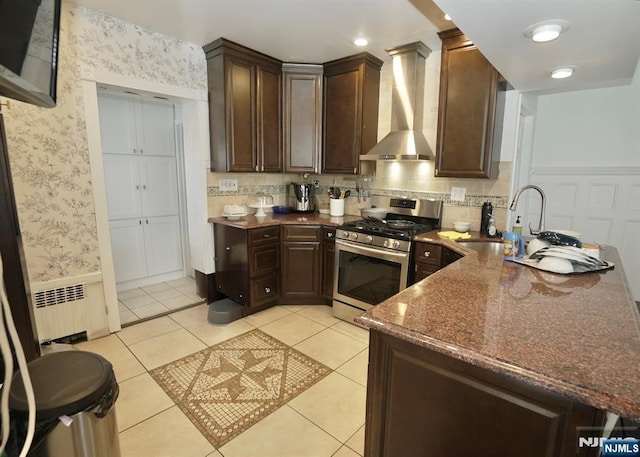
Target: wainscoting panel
point(601, 203)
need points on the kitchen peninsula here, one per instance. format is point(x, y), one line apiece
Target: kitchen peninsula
point(488, 357)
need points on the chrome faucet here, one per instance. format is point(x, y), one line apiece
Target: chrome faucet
point(514, 202)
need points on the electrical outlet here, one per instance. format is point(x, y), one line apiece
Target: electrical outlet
point(228, 185)
point(316, 183)
point(457, 194)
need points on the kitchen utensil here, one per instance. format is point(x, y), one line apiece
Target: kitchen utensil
point(301, 197)
point(347, 193)
point(330, 192)
point(556, 265)
point(337, 192)
point(336, 207)
point(400, 224)
point(536, 244)
point(374, 213)
point(559, 239)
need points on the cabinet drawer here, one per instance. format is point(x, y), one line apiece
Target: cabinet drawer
point(262, 259)
point(301, 232)
point(423, 270)
point(264, 289)
point(264, 235)
point(329, 234)
point(429, 253)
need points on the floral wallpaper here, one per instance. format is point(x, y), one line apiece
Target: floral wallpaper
point(48, 147)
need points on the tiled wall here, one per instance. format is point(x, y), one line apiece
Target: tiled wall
point(410, 179)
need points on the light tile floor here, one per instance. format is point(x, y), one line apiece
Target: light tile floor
point(157, 299)
point(324, 421)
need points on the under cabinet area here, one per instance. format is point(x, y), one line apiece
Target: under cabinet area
point(431, 257)
point(351, 95)
point(245, 108)
point(470, 110)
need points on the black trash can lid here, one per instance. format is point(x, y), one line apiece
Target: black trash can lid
point(64, 383)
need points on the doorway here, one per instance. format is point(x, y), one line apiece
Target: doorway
point(144, 181)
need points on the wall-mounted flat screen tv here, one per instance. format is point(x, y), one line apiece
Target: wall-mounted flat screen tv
point(29, 33)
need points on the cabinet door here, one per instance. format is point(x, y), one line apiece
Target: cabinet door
point(232, 263)
point(156, 132)
point(467, 111)
point(128, 249)
point(122, 185)
point(328, 267)
point(302, 121)
point(163, 244)
point(117, 124)
point(269, 119)
point(240, 100)
point(158, 186)
point(300, 270)
point(341, 122)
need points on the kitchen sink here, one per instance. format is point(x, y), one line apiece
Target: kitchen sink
point(484, 247)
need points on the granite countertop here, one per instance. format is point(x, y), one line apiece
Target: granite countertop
point(250, 222)
point(577, 335)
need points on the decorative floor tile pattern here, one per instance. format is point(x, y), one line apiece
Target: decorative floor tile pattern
point(227, 388)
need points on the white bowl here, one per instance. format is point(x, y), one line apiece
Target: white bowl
point(461, 226)
point(536, 244)
point(556, 265)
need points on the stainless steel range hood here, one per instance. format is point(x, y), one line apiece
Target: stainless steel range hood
point(406, 140)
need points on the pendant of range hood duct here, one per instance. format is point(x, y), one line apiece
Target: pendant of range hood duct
point(406, 140)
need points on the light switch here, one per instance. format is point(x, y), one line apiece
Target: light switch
point(228, 185)
point(457, 194)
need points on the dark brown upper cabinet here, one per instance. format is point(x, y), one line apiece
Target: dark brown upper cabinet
point(350, 117)
point(245, 108)
point(469, 114)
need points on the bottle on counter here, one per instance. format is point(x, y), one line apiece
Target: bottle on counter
point(487, 210)
point(492, 231)
point(517, 226)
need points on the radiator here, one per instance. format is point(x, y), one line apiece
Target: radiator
point(68, 306)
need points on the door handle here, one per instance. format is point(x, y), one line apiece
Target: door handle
point(228, 248)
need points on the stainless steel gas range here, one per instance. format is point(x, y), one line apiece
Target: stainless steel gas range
point(373, 257)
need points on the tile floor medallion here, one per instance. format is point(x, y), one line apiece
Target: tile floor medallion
point(227, 388)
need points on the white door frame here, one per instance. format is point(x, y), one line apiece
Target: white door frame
point(194, 106)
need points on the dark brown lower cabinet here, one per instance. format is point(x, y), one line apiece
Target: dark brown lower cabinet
point(247, 265)
point(301, 264)
point(423, 403)
point(328, 261)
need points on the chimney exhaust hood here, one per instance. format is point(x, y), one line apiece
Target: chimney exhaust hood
point(406, 140)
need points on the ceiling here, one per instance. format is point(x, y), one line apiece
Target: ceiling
point(603, 41)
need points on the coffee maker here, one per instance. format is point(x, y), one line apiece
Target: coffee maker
point(301, 197)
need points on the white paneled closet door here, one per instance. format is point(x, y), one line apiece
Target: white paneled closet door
point(143, 195)
point(159, 186)
point(122, 179)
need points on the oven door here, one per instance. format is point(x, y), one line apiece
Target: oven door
point(366, 276)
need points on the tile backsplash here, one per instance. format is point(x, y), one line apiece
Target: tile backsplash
point(398, 179)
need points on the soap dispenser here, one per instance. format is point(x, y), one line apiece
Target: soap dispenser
point(517, 226)
point(492, 231)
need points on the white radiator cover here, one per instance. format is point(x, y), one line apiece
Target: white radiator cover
point(68, 306)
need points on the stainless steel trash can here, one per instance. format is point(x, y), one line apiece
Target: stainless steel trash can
point(78, 385)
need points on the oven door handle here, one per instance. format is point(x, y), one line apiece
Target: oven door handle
point(380, 253)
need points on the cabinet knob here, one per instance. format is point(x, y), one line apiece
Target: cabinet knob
point(427, 253)
point(329, 235)
point(267, 290)
point(135, 150)
point(141, 151)
point(140, 222)
point(228, 248)
point(144, 186)
point(266, 235)
point(137, 187)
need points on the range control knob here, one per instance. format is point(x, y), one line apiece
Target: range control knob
point(354, 236)
point(369, 239)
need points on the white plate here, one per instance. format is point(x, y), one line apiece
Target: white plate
point(234, 217)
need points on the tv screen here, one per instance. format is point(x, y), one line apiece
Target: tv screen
point(29, 32)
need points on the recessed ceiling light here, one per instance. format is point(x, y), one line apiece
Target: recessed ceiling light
point(546, 33)
point(361, 42)
point(543, 32)
point(447, 17)
point(560, 73)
